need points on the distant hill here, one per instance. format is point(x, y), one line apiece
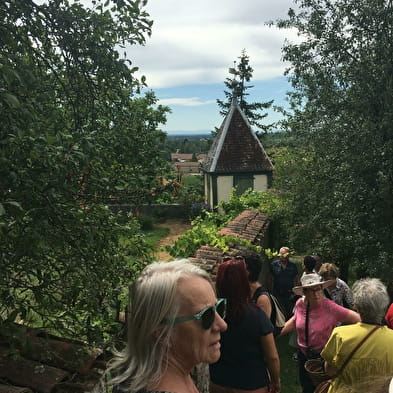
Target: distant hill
point(189, 136)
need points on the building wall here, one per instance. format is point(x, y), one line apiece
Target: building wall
point(208, 190)
point(224, 188)
point(219, 188)
point(261, 182)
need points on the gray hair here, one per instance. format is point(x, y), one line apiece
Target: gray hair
point(153, 297)
point(370, 299)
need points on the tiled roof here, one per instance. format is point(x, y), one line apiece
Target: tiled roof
point(236, 149)
point(187, 164)
point(186, 156)
point(251, 225)
point(47, 364)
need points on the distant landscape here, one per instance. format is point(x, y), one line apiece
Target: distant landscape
point(181, 135)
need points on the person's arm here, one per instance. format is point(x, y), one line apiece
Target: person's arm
point(330, 370)
point(289, 326)
point(272, 362)
point(352, 317)
point(263, 302)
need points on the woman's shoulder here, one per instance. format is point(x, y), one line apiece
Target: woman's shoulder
point(342, 284)
point(300, 303)
point(260, 291)
point(331, 304)
point(253, 312)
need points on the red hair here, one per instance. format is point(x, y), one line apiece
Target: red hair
point(232, 284)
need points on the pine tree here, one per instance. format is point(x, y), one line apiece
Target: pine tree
point(237, 85)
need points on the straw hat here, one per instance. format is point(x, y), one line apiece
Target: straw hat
point(311, 280)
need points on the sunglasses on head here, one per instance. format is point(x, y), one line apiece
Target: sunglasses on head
point(236, 258)
point(206, 316)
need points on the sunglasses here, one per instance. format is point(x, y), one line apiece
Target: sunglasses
point(206, 316)
point(237, 258)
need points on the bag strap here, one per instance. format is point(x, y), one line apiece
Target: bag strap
point(356, 348)
point(307, 319)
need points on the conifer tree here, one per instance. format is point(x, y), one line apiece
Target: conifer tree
point(237, 84)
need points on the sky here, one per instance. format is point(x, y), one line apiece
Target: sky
point(193, 45)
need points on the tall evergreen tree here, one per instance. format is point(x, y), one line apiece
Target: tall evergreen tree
point(237, 85)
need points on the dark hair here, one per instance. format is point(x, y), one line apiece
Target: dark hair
point(232, 284)
point(254, 267)
point(309, 263)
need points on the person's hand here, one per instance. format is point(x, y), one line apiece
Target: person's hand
point(275, 387)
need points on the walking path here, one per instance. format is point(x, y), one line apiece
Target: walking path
point(176, 228)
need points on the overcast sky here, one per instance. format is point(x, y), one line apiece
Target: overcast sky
point(193, 44)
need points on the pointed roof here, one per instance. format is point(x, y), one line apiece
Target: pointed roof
point(236, 148)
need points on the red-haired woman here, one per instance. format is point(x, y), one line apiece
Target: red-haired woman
point(249, 361)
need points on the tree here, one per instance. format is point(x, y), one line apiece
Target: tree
point(252, 110)
point(75, 131)
point(342, 77)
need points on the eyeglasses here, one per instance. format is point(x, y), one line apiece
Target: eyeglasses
point(206, 316)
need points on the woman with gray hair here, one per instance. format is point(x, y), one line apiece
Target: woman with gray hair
point(174, 323)
point(371, 365)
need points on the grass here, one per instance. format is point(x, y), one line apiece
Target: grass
point(154, 235)
point(289, 368)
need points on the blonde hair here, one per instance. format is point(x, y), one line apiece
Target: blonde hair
point(153, 297)
point(329, 271)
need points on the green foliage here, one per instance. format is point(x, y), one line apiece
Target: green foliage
point(75, 131)
point(266, 201)
point(204, 231)
point(205, 228)
point(238, 88)
point(146, 222)
point(187, 144)
point(342, 114)
point(192, 191)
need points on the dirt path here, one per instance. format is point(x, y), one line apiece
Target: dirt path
point(176, 228)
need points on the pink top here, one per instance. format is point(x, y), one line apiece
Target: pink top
point(322, 320)
point(389, 316)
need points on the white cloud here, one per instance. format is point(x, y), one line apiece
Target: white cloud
point(191, 101)
point(195, 42)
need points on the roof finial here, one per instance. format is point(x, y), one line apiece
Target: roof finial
point(234, 84)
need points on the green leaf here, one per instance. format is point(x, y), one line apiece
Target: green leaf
point(11, 100)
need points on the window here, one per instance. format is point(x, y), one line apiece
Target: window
point(242, 183)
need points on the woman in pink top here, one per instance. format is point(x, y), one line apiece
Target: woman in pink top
point(314, 319)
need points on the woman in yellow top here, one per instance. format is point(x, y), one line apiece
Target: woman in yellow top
point(371, 366)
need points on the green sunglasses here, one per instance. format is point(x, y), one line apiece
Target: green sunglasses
point(206, 316)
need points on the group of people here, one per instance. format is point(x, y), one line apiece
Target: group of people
point(178, 317)
point(330, 320)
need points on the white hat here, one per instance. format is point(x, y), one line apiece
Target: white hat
point(311, 280)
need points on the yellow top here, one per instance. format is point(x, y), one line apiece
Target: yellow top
point(372, 364)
